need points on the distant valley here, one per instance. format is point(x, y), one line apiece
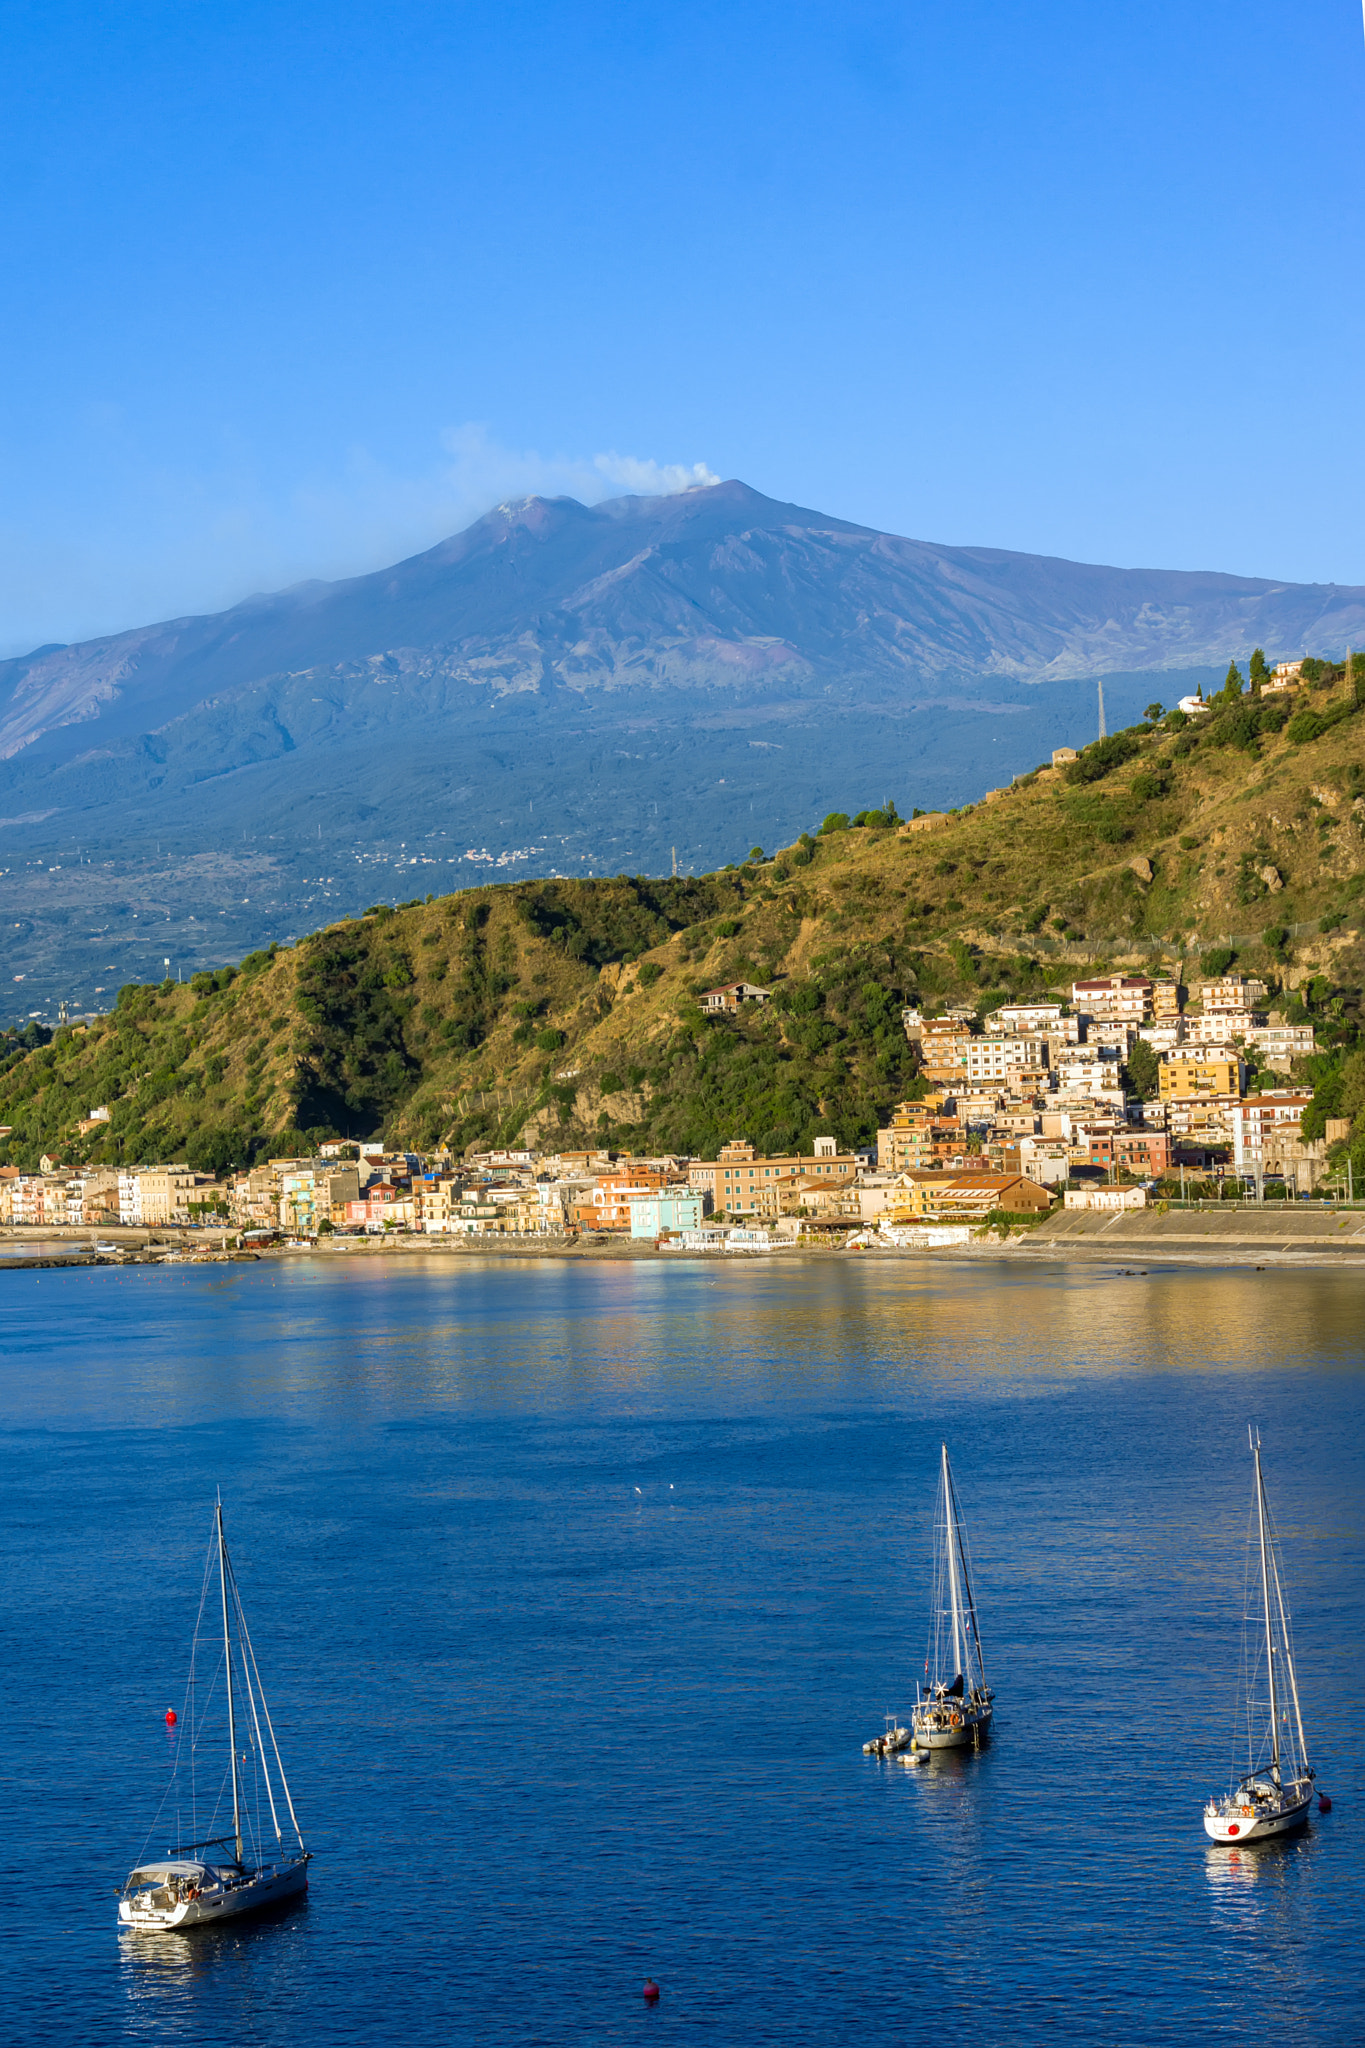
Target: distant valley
point(560, 689)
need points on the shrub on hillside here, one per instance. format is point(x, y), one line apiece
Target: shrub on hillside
point(1101, 757)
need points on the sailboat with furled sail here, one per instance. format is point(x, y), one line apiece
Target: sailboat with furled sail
point(1275, 1792)
point(954, 1706)
point(186, 1887)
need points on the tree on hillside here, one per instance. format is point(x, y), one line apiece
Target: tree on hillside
point(1142, 1070)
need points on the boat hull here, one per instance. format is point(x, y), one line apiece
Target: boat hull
point(970, 1728)
point(1235, 1825)
point(227, 1902)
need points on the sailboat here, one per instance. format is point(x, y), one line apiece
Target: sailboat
point(954, 1706)
point(185, 1888)
point(1275, 1792)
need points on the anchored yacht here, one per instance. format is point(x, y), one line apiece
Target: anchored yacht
point(186, 1888)
point(1275, 1791)
point(953, 1707)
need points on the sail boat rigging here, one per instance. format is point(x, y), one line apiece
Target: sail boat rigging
point(955, 1705)
point(953, 1708)
point(182, 1889)
point(1275, 1792)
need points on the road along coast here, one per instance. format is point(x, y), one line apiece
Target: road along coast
point(1324, 1238)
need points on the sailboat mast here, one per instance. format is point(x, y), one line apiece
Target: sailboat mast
point(950, 1535)
point(227, 1660)
point(1269, 1637)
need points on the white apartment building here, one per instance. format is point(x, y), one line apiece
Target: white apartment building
point(1232, 992)
point(1116, 998)
point(1220, 1027)
point(1283, 1042)
point(1116, 1033)
point(1087, 1066)
point(1025, 1020)
point(995, 1059)
point(149, 1196)
point(1261, 1119)
point(1202, 1119)
point(1045, 1160)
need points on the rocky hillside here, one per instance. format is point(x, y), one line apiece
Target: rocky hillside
point(570, 1009)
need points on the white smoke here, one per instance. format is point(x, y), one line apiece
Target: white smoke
point(169, 544)
point(653, 479)
point(482, 473)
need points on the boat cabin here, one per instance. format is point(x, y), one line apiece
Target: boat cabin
point(160, 1887)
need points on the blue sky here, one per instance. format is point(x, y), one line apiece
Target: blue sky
point(295, 289)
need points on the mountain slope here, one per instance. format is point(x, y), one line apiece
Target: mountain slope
point(710, 586)
point(560, 689)
point(570, 1007)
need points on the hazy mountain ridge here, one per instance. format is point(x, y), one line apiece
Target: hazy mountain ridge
point(561, 689)
point(710, 588)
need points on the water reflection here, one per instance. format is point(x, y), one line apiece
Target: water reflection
point(164, 1973)
point(436, 1467)
point(435, 1332)
point(1265, 1915)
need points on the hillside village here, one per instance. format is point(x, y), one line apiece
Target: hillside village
point(1033, 1099)
point(1133, 975)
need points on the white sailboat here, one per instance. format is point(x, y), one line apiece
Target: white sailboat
point(1275, 1792)
point(954, 1707)
point(183, 1888)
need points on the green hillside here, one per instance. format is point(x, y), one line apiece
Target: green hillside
point(567, 1011)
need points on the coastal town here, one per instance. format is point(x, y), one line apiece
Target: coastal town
point(1118, 1091)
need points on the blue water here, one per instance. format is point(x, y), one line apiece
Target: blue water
point(577, 1590)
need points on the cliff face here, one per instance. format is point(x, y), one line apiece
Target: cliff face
point(569, 1008)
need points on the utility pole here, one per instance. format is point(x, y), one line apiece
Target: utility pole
point(1104, 731)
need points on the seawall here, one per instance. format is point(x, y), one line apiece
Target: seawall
point(1282, 1236)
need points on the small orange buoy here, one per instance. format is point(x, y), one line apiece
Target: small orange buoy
point(170, 1717)
point(651, 1991)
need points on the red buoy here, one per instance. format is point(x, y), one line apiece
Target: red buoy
point(170, 1717)
point(1324, 1803)
point(651, 1991)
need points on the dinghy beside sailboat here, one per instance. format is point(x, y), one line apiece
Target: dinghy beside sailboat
point(954, 1707)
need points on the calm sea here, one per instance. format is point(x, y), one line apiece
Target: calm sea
point(578, 1589)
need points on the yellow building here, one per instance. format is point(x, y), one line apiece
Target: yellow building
point(1185, 1074)
point(908, 1140)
